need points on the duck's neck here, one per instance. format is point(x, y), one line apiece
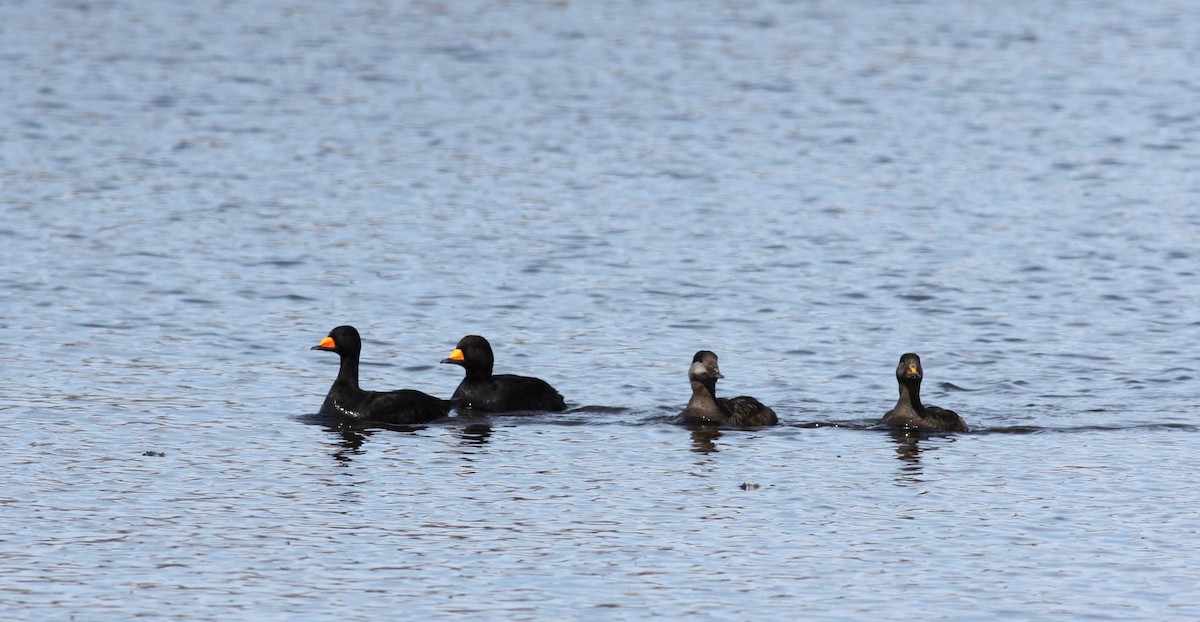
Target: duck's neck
point(478, 374)
point(704, 397)
point(348, 372)
point(910, 394)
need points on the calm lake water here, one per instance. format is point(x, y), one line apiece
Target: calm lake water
point(194, 194)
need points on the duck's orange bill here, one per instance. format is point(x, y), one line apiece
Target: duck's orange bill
point(912, 369)
point(326, 343)
point(456, 355)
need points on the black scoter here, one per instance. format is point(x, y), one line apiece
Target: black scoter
point(909, 412)
point(481, 390)
point(347, 400)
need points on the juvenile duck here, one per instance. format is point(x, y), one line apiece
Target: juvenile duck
point(480, 390)
point(910, 412)
point(346, 399)
point(706, 407)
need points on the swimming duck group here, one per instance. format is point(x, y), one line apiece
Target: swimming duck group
point(483, 391)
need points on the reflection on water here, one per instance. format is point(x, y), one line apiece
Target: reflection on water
point(475, 434)
point(908, 451)
point(704, 437)
point(350, 437)
point(350, 443)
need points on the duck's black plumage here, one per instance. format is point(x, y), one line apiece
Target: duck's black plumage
point(347, 400)
point(910, 412)
point(481, 390)
point(706, 407)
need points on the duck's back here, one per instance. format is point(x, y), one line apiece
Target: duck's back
point(948, 419)
point(746, 411)
point(934, 419)
point(404, 406)
point(508, 392)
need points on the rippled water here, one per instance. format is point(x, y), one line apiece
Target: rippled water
point(195, 195)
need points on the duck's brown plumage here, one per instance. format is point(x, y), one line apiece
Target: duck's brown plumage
point(706, 407)
point(909, 412)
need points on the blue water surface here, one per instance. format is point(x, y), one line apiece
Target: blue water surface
point(194, 194)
